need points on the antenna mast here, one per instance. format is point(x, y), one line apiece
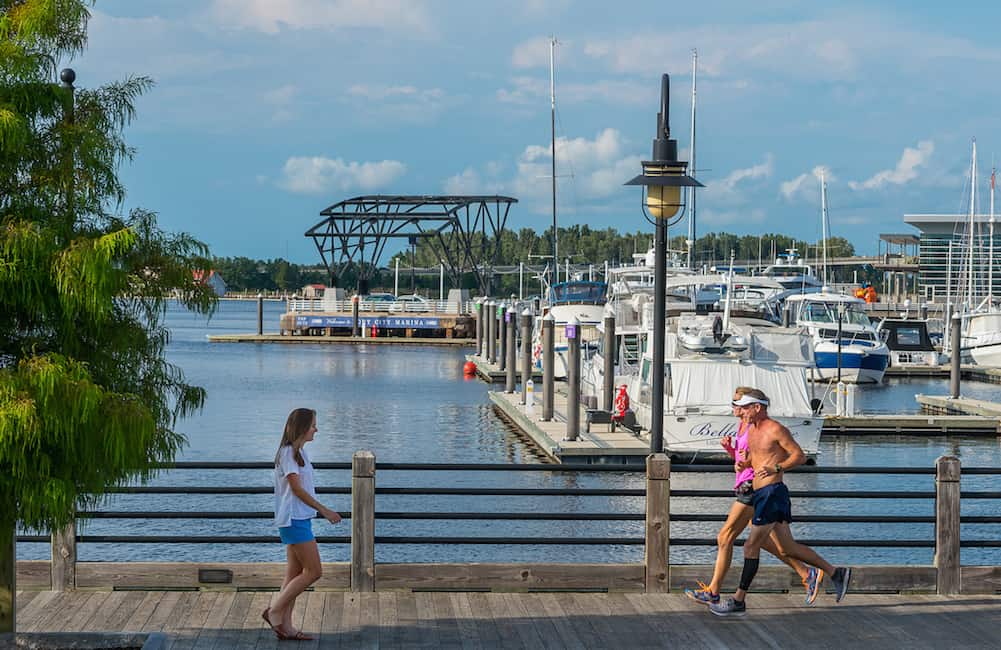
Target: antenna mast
point(552, 131)
point(691, 202)
point(823, 222)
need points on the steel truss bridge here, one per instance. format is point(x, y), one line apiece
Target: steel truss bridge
point(463, 231)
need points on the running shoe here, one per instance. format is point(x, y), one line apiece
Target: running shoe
point(703, 594)
point(729, 607)
point(839, 580)
point(812, 583)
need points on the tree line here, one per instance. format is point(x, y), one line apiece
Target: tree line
point(581, 244)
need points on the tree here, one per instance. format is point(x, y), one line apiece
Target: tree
point(87, 399)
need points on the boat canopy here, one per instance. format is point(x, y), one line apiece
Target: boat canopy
point(720, 278)
point(907, 335)
point(709, 386)
point(578, 292)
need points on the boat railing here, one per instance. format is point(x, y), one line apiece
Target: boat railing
point(318, 305)
point(642, 507)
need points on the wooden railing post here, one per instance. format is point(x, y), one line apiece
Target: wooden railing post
point(363, 521)
point(658, 526)
point(947, 474)
point(63, 566)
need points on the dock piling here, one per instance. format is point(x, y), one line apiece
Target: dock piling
point(954, 369)
point(526, 353)
point(478, 309)
point(260, 314)
point(354, 315)
point(610, 352)
point(657, 549)
point(573, 379)
point(502, 318)
point(548, 360)
point(363, 521)
point(512, 349)
point(490, 324)
point(947, 478)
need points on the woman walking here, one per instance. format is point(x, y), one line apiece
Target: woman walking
point(295, 508)
point(737, 520)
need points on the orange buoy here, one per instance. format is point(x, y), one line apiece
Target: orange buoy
point(469, 368)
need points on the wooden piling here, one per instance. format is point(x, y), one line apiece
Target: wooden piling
point(947, 475)
point(363, 521)
point(658, 527)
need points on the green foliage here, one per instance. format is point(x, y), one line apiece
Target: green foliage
point(87, 398)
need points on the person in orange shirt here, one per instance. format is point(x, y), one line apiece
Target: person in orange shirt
point(870, 295)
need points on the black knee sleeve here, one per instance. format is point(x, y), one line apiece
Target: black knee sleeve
point(747, 575)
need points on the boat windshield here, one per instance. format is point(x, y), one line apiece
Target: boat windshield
point(578, 292)
point(827, 312)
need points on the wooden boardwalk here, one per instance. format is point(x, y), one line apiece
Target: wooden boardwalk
point(229, 619)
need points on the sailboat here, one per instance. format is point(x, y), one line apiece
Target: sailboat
point(859, 354)
point(981, 332)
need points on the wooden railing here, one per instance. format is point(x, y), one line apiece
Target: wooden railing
point(946, 575)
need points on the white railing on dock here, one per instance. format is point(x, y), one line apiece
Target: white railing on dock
point(381, 306)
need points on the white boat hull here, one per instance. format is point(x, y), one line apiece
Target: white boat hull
point(988, 356)
point(697, 436)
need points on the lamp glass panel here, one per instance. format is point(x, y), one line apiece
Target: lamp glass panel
point(663, 201)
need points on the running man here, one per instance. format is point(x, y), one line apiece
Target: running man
point(771, 451)
point(737, 520)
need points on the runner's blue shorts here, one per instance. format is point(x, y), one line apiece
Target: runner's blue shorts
point(771, 505)
point(300, 531)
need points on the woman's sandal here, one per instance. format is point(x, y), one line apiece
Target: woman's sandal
point(298, 636)
point(274, 628)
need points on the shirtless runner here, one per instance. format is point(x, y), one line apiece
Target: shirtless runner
point(771, 451)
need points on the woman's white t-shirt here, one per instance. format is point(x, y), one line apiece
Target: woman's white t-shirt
point(287, 505)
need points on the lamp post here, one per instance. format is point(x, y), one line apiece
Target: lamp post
point(663, 177)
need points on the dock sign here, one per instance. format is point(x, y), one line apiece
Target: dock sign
point(391, 322)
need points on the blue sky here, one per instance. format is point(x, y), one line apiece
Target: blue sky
point(267, 111)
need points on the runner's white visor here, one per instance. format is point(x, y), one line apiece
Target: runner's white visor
point(747, 400)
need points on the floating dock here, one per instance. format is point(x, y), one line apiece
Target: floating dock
point(960, 406)
point(492, 374)
point(972, 373)
point(620, 447)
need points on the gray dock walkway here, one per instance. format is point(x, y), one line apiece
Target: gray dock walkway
point(960, 405)
point(230, 619)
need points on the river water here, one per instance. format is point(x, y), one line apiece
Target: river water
point(412, 404)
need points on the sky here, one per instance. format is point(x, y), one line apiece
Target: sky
point(267, 111)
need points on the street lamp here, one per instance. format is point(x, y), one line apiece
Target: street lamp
point(663, 177)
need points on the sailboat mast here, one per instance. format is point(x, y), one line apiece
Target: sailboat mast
point(552, 132)
point(691, 218)
point(823, 223)
point(973, 208)
point(990, 247)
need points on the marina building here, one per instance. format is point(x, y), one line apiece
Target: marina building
point(944, 255)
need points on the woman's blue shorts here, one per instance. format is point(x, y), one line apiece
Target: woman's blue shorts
point(300, 531)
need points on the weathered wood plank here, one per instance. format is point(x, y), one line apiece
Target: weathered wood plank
point(555, 613)
point(37, 611)
point(184, 575)
point(150, 602)
point(22, 598)
point(131, 601)
point(212, 631)
point(53, 617)
point(448, 628)
point(466, 620)
point(330, 628)
point(312, 618)
point(781, 578)
point(510, 577)
point(406, 613)
point(183, 630)
point(981, 579)
point(389, 631)
point(34, 575)
point(368, 620)
point(63, 553)
point(426, 622)
point(486, 627)
point(231, 634)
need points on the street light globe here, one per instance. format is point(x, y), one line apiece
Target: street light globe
point(663, 202)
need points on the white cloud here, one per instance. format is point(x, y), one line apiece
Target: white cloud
point(271, 16)
point(806, 186)
point(727, 187)
point(282, 99)
point(598, 168)
point(404, 102)
point(906, 170)
point(533, 53)
point(317, 174)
